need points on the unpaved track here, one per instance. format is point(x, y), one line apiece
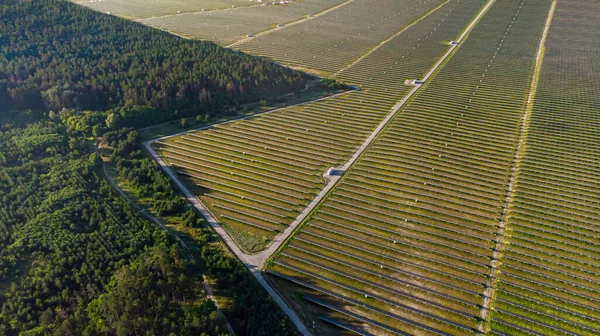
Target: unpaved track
point(208, 291)
point(255, 262)
point(145, 213)
point(491, 284)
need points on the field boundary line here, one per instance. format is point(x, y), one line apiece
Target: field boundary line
point(363, 56)
point(289, 24)
point(492, 282)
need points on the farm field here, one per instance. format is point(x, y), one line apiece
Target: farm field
point(256, 175)
point(230, 25)
point(136, 9)
point(404, 243)
point(549, 280)
point(329, 42)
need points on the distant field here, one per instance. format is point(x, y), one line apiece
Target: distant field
point(333, 40)
point(550, 274)
point(228, 26)
point(136, 9)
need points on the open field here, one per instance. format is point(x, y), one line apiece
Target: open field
point(404, 243)
point(333, 40)
point(150, 8)
point(256, 175)
point(231, 25)
point(550, 274)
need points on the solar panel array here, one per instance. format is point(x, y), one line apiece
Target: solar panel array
point(231, 25)
point(472, 211)
point(549, 280)
point(328, 42)
point(257, 175)
point(406, 238)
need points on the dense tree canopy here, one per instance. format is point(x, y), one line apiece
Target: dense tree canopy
point(155, 294)
point(63, 232)
point(55, 55)
point(75, 257)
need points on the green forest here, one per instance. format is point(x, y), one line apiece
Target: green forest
point(76, 258)
point(55, 56)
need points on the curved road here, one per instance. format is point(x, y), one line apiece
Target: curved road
point(255, 262)
point(288, 24)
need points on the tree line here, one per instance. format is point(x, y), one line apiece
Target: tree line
point(56, 56)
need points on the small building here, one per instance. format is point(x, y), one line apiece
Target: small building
point(335, 172)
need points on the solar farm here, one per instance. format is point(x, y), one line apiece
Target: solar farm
point(454, 191)
point(268, 168)
point(330, 41)
point(234, 24)
point(549, 281)
point(136, 9)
